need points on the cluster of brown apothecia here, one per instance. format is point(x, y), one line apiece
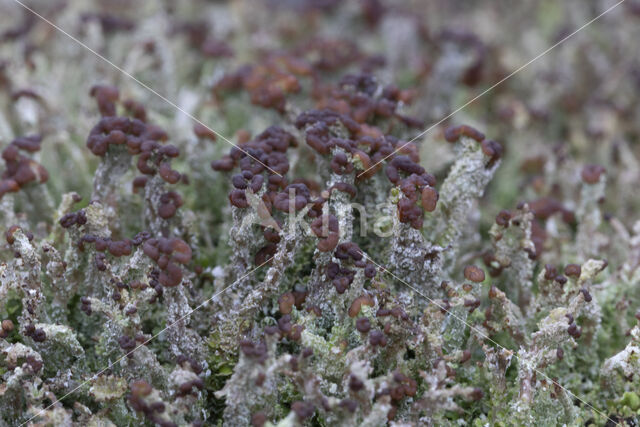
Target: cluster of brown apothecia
point(169, 256)
point(343, 132)
point(20, 169)
point(349, 129)
point(140, 139)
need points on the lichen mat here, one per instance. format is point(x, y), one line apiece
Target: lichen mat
point(319, 213)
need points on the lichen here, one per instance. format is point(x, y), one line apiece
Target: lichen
point(273, 213)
